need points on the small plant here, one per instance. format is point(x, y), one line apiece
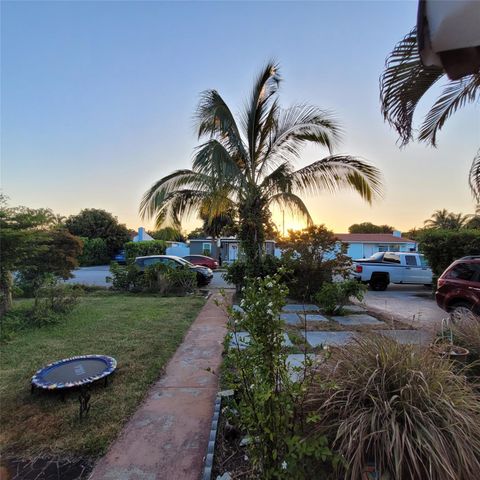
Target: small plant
point(333, 297)
point(269, 402)
point(400, 407)
point(52, 299)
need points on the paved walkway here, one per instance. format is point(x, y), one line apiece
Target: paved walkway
point(167, 436)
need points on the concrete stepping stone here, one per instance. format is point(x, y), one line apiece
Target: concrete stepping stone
point(242, 339)
point(238, 308)
point(358, 319)
point(290, 318)
point(415, 337)
point(311, 317)
point(297, 307)
point(315, 339)
point(296, 361)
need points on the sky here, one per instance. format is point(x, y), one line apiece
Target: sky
point(97, 100)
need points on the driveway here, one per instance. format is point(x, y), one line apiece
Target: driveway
point(410, 303)
point(91, 276)
point(218, 281)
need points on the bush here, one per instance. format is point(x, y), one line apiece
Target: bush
point(94, 252)
point(269, 402)
point(442, 247)
point(238, 271)
point(143, 249)
point(465, 328)
point(400, 407)
point(52, 300)
point(333, 297)
point(314, 257)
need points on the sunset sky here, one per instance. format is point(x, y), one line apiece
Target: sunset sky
point(98, 99)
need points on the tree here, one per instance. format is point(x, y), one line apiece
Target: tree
point(31, 247)
point(404, 83)
point(443, 219)
point(95, 223)
point(368, 227)
point(249, 165)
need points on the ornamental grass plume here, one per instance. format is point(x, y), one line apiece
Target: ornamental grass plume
point(401, 408)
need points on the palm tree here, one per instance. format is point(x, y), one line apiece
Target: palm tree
point(248, 164)
point(443, 219)
point(403, 84)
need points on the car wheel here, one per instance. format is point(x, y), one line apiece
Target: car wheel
point(379, 283)
point(459, 309)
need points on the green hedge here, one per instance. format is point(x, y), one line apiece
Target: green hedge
point(95, 252)
point(442, 247)
point(142, 249)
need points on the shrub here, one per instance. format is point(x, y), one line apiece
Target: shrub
point(442, 247)
point(465, 327)
point(94, 252)
point(142, 249)
point(52, 299)
point(333, 297)
point(400, 407)
point(269, 402)
point(181, 280)
point(238, 271)
point(314, 257)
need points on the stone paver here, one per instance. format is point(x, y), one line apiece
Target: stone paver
point(357, 319)
point(315, 339)
point(313, 317)
point(167, 436)
point(293, 307)
point(290, 318)
point(238, 308)
point(295, 361)
point(417, 337)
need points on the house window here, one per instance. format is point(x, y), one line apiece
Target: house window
point(207, 248)
point(383, 248)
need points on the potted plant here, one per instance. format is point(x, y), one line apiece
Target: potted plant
point(444, 347)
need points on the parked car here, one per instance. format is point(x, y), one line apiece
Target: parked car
point(204, 274)
point(202, 260)
point(459, 285)
point(120, 257)
point(392, 267)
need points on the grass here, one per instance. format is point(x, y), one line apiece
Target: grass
point(141, 332)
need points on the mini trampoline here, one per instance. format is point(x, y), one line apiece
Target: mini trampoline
point(74, 372)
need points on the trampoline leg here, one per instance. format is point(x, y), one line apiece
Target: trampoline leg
point(32, 389)
point(84, 398)
point(106, 382)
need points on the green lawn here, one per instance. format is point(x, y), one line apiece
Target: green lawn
point(141, 332)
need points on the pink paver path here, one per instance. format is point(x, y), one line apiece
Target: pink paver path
point(167, 437)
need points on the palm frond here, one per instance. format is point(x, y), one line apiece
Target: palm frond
point(338, 172)
point(453, 97)
point(258, 108)
point(403, 83)
point(293, 203)
point(280, 180)
point(474, 177)
point(160, 190)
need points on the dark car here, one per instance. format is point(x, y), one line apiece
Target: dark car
point(202, 260)
point(459, 285)
point(204, 275)
point(120, 257)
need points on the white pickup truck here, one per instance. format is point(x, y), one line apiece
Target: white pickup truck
point(392, 267)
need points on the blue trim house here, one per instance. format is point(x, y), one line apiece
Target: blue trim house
point(364, 245)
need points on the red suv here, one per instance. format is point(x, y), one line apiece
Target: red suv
point(459, 285)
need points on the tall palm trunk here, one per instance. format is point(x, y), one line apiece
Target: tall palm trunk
point(252, 213)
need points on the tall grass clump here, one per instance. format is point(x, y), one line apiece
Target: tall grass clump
point(400, 408)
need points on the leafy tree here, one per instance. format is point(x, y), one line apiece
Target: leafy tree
point(442, 247)
point(31, 247)
point(96, 223)
point(404, 83)
point(315, 255)
point(368, 227)
point(249, 165)
point(223, 224)
point(443, 219)
point(95, 252)
point(197, 233)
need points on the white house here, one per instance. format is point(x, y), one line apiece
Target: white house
point(364, 245)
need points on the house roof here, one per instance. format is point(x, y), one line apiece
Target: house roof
point(372, 238)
